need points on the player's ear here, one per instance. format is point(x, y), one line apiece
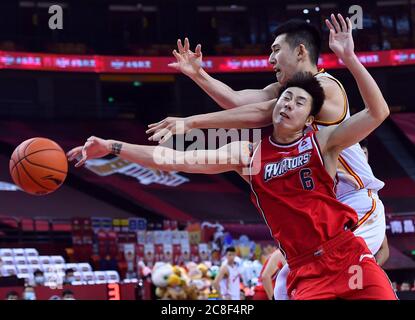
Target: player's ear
point(309, 121)
point(301, 52)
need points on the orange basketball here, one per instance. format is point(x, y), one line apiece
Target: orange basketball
point(38, 166)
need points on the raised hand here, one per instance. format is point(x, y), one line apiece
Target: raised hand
point(188, 62)
point(92, 149)
point(340, 39)
point(166, 128)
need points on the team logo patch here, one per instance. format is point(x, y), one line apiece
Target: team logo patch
point(278, 169)
point(305, 145)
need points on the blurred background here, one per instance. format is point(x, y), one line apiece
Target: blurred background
point(105, 74)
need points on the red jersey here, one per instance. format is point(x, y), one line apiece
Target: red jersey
point(296, 196)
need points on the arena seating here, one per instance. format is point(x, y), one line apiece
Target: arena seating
point(23, 262)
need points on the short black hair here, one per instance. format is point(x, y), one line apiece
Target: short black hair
point(230, 249)
point(300, 32)
point(38, 272)
point(309, 83)
point(66, 292)
point(69, 270)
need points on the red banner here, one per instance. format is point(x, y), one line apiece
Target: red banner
point(159, 65)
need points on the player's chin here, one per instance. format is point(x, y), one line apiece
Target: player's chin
point(280, 78)
point(279, 119)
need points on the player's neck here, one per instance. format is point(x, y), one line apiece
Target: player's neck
point(280, 136)
point(308, 67)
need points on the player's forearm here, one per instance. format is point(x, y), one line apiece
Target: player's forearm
point(267, 284)
point(369, 90)
point(166, 159)
point(255, 115)
point(383, 254)
point(156, 157)
point(221, 93)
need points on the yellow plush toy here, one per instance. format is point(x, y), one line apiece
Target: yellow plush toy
point(171, 282)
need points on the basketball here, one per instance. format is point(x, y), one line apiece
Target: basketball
point(38, 166)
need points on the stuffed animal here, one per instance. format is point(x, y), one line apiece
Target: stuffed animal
point(171, 282)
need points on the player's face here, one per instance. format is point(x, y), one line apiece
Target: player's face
point(283, 59)
point(292, 110)
point(230, 256)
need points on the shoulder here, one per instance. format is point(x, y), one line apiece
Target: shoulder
point(273, 90)
point(331, 86)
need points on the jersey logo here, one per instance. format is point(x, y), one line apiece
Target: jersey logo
point(305, 145)
point(278, 169)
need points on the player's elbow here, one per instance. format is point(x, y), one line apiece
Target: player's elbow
point(384, 111)
point(387, 112)
point(381, 113)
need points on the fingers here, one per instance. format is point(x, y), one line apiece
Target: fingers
point(198, 50)
point(74, 153)
point(160, 134)
point(329, 25)
point(342, 22)
point(174, 65)
point(84, 152)
point(335, 23)
point(180, 46)
point(186, 44)
point(166, 137)
point(80, 163)
point(151, 125)
point(349, 24)
point(177, 56)
point(154, 129)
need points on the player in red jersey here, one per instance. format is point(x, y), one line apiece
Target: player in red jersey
point(292, 176)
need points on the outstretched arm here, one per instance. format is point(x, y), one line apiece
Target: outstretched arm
point(190, 63)
point(360, 125)
point(231, 157)
point(250, 116)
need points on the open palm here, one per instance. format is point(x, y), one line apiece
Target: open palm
point(340, 39)
point(188, 62)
